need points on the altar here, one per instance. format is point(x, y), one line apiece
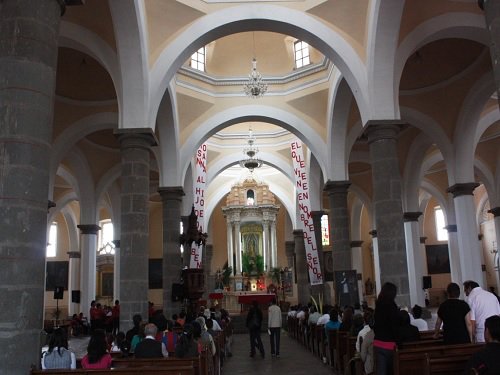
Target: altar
point(237, 302)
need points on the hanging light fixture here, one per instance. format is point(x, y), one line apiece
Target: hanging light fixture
point(255, 86)
point(250, 151)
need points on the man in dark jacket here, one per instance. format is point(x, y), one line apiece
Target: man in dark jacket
point(149, 347)
point(254, 324)
point(487, 360)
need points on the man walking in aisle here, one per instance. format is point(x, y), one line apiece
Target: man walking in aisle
point(274, 323)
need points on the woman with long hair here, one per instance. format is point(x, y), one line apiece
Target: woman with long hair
point(58, 355)
point(386, 328)
point(97, 356)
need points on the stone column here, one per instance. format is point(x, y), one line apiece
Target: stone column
point(454, 254)
point(339, 224)
point(172, 261)
point(388, 207)
point(274, 247)
point(116, 270)
point(88, 250)
point(28, 56)
point(74, 281)
point(134, 234)
point(267, 253)
point(414, 258)
point(230, 261)
point(492, 14)
point(495, 211)
point(376, 261)
point(237, 247)
point(316, 217)
point(303, 292)
point(357, 264)
point(186, 255)
point(468, 245)
point(290, 252)
point(208, 252)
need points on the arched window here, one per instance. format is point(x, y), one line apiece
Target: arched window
point(441, 232)
point(250, 198)
point(105, 239)
point(51, 251)
point(301, 50)
point(198, 60)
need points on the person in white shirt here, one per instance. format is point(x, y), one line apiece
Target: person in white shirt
point(483, 304)
point(368, 318)
point(314, 315)
point(323, 319)
point(58, 356)
point(274, 323)
point(416, 319)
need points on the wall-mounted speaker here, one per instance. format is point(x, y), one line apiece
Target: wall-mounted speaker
point(427, 282)
point(59, 292)
point(75, 296)
point(177, 292)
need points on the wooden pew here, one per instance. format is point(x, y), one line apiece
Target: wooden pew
point(312, 335)
point(320, 340)
point(447, 365)
point(413, 361)
point(174, 370)
point(421, 343)
point(332, 344)
point(341, 349)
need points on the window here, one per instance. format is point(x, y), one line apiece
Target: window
point(181, 228)
point(250, 198)
point(198, 60)
point(105, 241)
point(325, 231)
point(52, 241)
point(301, 54)
point(441, 232)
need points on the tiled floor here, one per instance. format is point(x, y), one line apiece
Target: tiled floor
point(294, 359)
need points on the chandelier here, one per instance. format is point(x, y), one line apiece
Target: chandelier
point(250, 151)
point(255, 87)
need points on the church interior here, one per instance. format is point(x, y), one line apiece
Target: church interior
point(130, 116)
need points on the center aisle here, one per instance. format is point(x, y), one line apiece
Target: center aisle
point(294, 359)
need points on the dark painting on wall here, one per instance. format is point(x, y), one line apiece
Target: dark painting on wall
point(107, 284)
point(346, 288)
point(328, 266)
point(155, 273)
point(438, 260)
point(56, 274)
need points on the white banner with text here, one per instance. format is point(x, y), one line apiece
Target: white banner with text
point(199, 203)
point(304, 204)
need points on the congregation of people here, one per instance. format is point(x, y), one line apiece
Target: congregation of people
point(379, 331)
point(181, 336)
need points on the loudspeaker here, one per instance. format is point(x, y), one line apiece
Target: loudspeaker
point(177, 292)
point(427, 282)
point(75, 296)
point(59, 292)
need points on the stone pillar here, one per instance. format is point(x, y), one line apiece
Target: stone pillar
point(290, 252)
point(376, 261)
point(303, 291)
point(468, 245)
point(88, 250)
point(414, 258)
point(230, 261)
point(237, 247)
point(74, 281)
point(316, 217)
point(116, 271)
point(274, 247)
point(495, 211)
point(492, 14)
point(357, 264)
point(28, 57)
point(454, 254)
point(134, 234)
point(388, 207)
point(267, 252)
point(339, 224)
point(208, 252)
point(172, 260)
